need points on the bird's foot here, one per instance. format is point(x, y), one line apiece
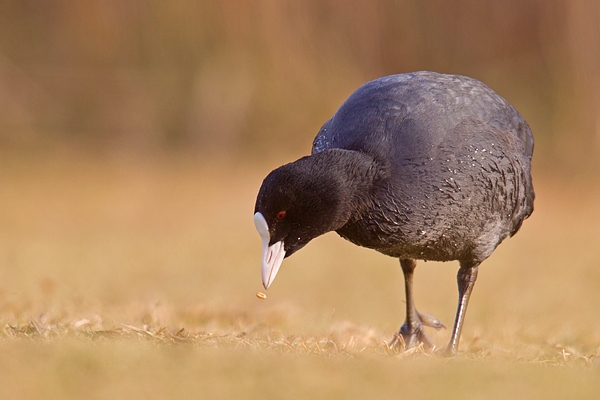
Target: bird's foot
point(451, 350)
point(411, 337)
point(433, 322)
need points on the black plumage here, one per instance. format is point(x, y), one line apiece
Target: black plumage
point(420, 166)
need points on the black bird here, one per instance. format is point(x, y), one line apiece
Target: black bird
point(419, 166)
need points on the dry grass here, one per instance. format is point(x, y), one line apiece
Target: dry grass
point(343, 340)
point(137, 279)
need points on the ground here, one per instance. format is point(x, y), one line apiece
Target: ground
point(135, 277)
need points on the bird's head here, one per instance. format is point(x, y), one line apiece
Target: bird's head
point(296, 203)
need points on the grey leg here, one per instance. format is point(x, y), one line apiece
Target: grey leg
point(412, 329)
point(467, 274)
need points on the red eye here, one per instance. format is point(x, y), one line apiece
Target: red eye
point(280, 215)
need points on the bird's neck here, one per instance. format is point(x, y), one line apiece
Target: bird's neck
point(353, 175)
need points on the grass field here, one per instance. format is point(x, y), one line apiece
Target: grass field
point(136, 278)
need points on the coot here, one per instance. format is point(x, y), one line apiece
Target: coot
point(418, 166)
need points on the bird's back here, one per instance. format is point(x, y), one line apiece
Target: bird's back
point(456, 159)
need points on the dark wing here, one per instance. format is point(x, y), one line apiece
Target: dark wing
point(422, 107)
point(450, 143)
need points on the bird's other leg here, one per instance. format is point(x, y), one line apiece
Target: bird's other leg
point(467, 274)
point(412, 330)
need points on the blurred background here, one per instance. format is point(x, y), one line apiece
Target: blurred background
point(233, 79)
point(134, 136)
